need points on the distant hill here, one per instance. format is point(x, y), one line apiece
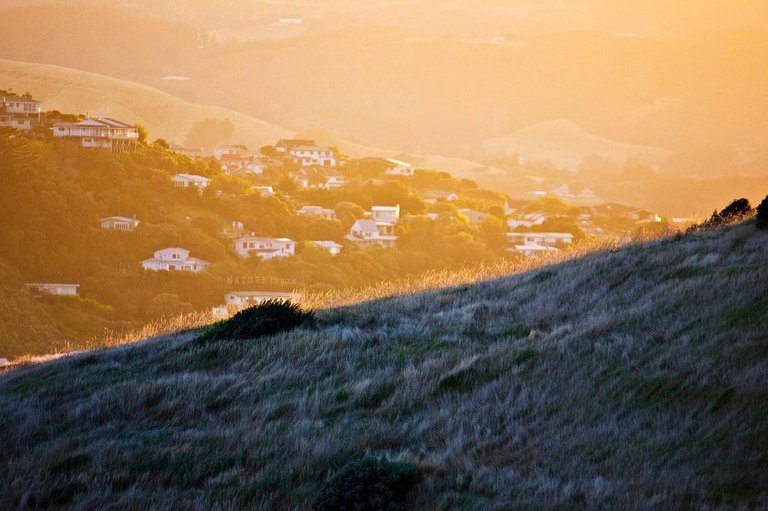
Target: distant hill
point(628, 379)
point(566, 144)
point(164, 115)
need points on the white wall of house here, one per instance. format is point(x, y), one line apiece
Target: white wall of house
point(265, 248)
point(54, 289)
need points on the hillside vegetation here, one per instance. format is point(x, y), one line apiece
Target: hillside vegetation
point(627, 379)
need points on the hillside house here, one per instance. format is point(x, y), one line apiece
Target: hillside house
point(311, 155)
point(399, 168)
point(331, 246)
point(643, 216)
point(264, 248)
point(24, 105)
point(264, 191)
point(385, 214)
point(318, 211)
point(231, 163)
point(119, 223)
point(535, 243)
point(319, 177)
point(257, 165)
point(527, 220)
point(532, 249)
point(474, 217)
point(174, 259)
point(549, 239)
point(367, 233)
point(21, 122)
point(103, 133)
point(230, 150)
point(190, 181)
point(53, 289)
point(284, 146)
point(191, 152)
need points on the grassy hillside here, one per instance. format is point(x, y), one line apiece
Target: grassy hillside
point(628, 379)
point(164, 115)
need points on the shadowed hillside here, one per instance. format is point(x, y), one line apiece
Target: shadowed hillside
point(628, 379)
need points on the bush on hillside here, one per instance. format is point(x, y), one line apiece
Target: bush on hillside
point(734, 212)
point(268, 318)
point(370, 483)
point(762, 214)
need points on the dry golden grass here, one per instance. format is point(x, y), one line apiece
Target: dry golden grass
point(629, 378)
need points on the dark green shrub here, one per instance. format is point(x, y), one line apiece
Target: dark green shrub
point(762, 214)
point(268, 318)
point(370, 483)
point(734, 212)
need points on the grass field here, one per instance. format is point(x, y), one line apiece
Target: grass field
point(629, 378)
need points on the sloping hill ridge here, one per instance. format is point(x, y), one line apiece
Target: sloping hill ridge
point(627, 379)
point(164, 115)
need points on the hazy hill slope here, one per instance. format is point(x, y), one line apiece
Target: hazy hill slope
point(629, 379)
point(164, 115)
point(566, 144)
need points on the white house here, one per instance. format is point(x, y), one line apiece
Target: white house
point(53, 289)
point(265, 248)
point(331, 246)
point(119, 223)
point(367, 233)
point(190, 181)
point(452, 197)
point(311, 155)
point(14, 104)
point(229, 150)
point(257, 165)
point(174, 259)
point(474, 217)
point(385, 214)
point(264, 191)
point(399, 168)
point(17, 121)
point(233, 162)
point(532, 249)
point(318, 177)
point(285, 145)
point(102, 132)
point(549, 239)
point(643, 216)
point(527, 220)
point(326, 213)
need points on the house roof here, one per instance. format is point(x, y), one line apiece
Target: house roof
point(385, 208)
point(262, 238)
point(326, 244)
point(398, 162)
point(292, 142)
point(173, 248)
point(312, 148)
point(191, 177)
point(18, 99)
point(45, 284)
point(367, 225)
point(120, 219)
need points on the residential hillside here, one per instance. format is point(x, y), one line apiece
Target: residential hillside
point(627, 379)
point(98, 241)
point(428, 78)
